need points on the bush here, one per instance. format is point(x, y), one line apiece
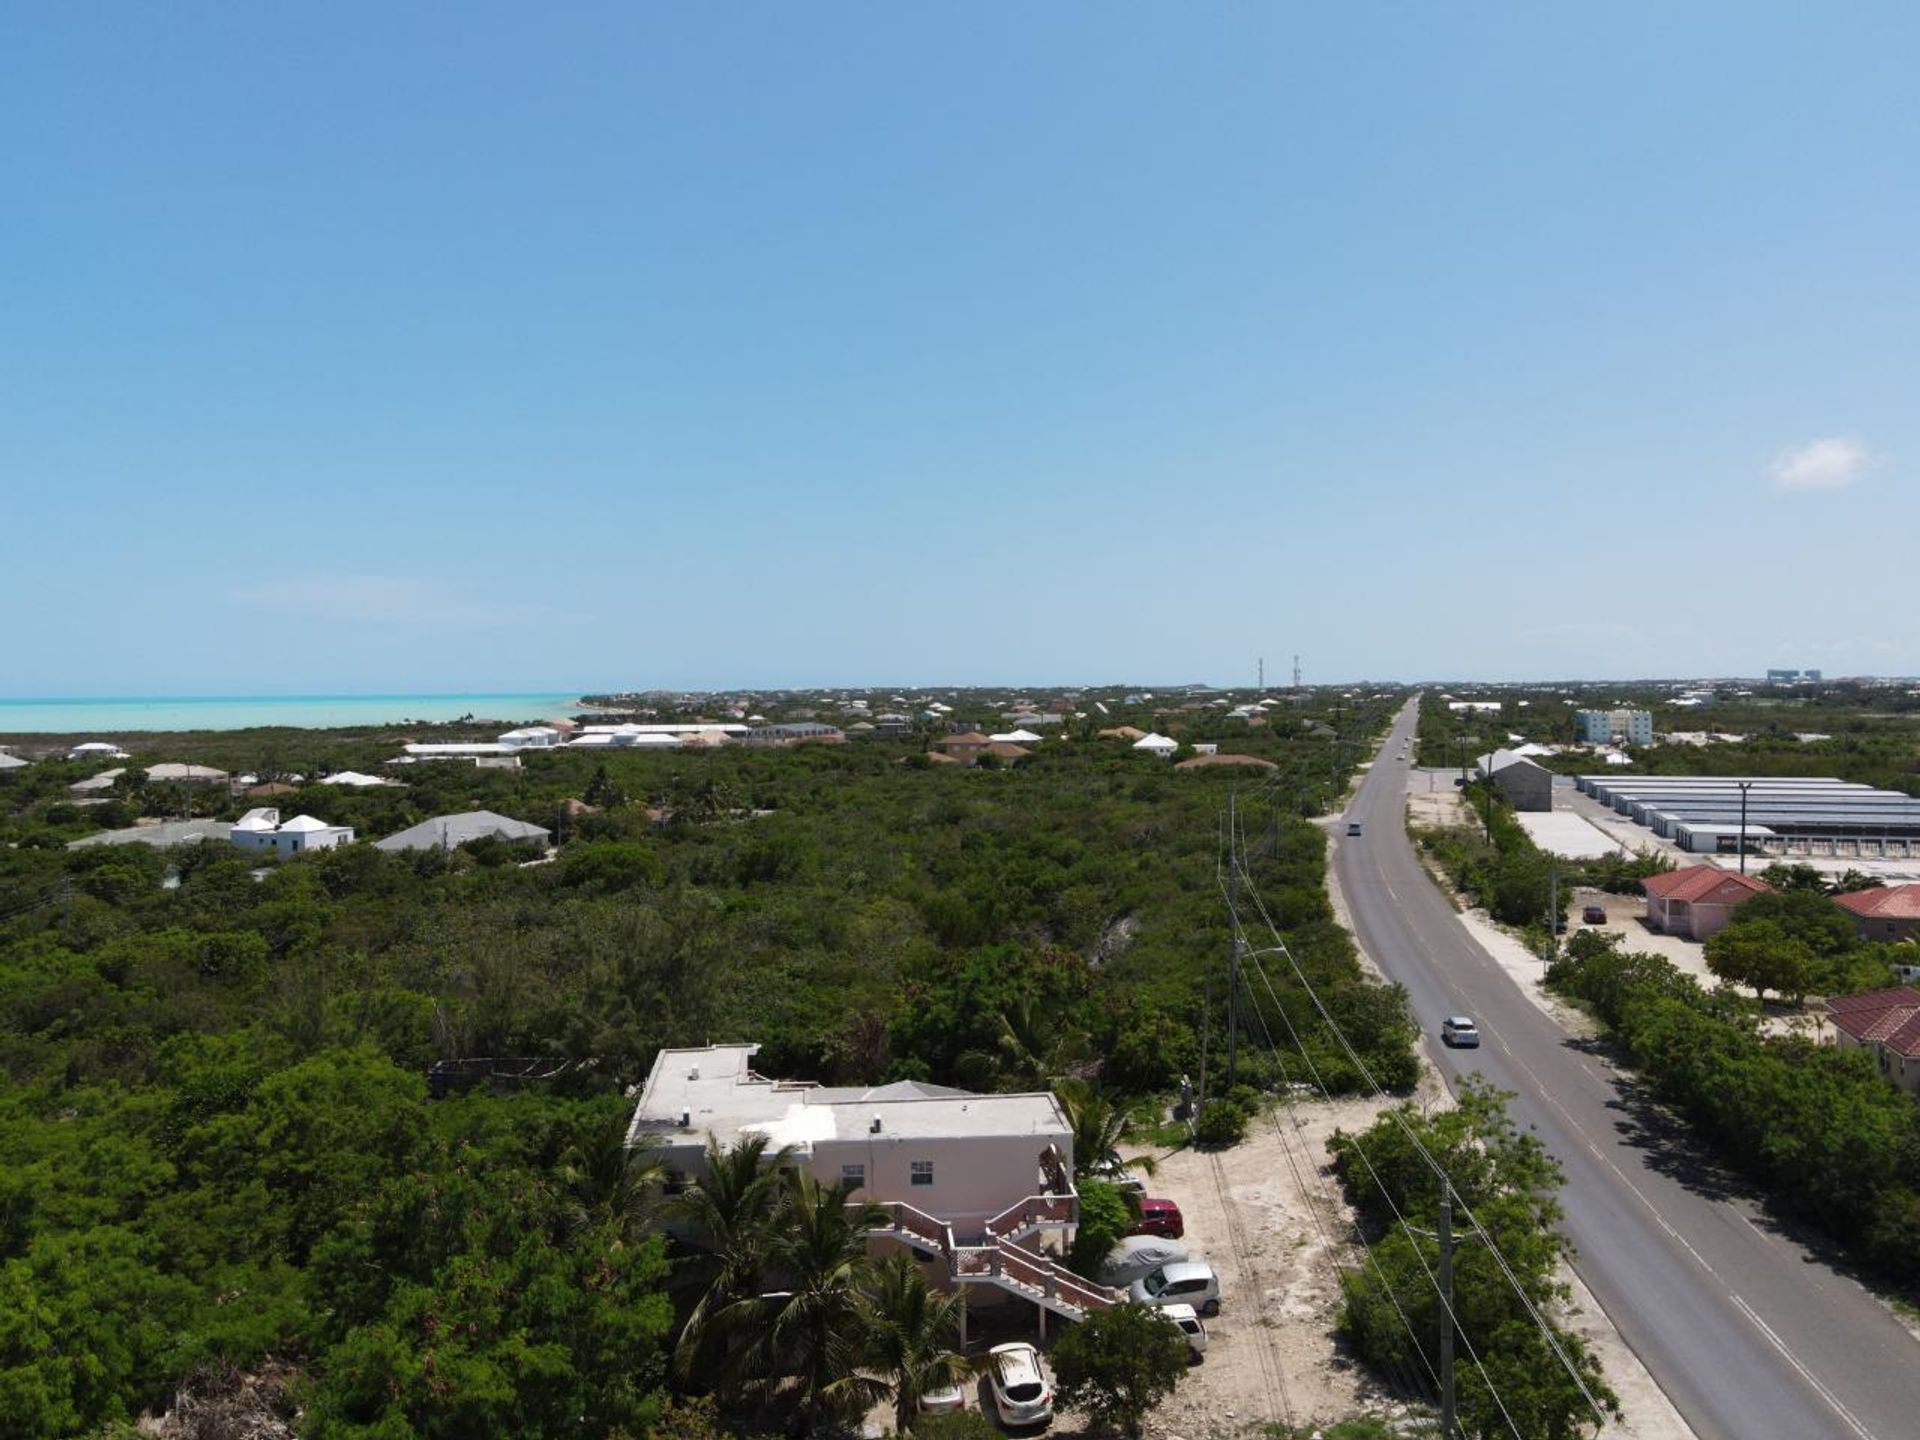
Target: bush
point(1105, 1217)
point(1221, 1124)
point(1118, 1364)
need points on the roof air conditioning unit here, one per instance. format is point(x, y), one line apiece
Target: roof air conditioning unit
point(694, 1073)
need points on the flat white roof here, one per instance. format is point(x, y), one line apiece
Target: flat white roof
point(718, 1090)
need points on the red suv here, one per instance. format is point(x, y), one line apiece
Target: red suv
point(1159, 1217)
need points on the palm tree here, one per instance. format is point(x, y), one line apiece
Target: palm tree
point(1037, 1047)
point(609, 1182)
point(911, 1332)
point(1099, 1128)
point(811, 1331)
point(726, 1217)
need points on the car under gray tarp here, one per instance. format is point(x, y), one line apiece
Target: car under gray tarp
point(1139, 1255)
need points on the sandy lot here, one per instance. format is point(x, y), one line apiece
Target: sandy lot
point(1433, 800)
point(1270, 1218)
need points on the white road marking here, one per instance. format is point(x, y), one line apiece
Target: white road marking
point(1805, 1374)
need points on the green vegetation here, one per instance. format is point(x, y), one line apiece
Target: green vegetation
point(1863, 732)
point(1797, 942)
point(217, 1146)
point(1392, 1311)
point(1496, 863)
point(1223, 1123)
point(1817, 1127)
point(1118, 1364)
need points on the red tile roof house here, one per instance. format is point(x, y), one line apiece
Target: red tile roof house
point(1886, 912)
point(1886, 1022)
point(1698, 900)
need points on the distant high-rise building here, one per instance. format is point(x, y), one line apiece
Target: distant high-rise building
point(1793, 677)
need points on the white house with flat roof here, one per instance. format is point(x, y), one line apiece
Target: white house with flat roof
point(971, 1181)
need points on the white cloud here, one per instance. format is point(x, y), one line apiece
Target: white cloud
point(1829, 464)
point(385, 600)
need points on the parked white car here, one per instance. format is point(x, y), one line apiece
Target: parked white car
point(1187, 1321)
point(1118, 1176)
point(940, 1401)
point(1021, 1391)
point(1190, 1282)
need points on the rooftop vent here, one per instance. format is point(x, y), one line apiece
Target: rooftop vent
point(874, 1128)
point(694, 1073)
point(686, 1119)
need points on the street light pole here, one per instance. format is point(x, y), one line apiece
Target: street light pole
point(1745, 785)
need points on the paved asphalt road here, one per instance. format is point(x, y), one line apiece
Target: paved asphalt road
point(1750, 1334)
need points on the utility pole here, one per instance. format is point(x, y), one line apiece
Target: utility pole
point(1296, 672)
point(1448, 1428)
point(1233, 962)
point(1553, 905)
point(1745, 785)
point(1263, 674)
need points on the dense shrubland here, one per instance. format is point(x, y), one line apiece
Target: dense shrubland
point(216, 1142)
point(1503, 1177)
point(1818, 1128)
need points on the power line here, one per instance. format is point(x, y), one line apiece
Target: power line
point(1420, 1147)
point(1439, 1291)
point(1408, 1380)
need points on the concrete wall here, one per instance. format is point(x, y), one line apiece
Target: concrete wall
point(1526, 786)
point(974, 1177)
point(1892, 931)
point(1898, 1068)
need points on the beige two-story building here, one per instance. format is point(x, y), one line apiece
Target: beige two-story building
point(981, 1184)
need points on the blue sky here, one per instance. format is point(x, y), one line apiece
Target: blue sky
point(433, 347)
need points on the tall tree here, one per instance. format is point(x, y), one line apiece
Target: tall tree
point(609, 1183)
point(912, 1332)
point(727, 1216)
point(1099, 1128)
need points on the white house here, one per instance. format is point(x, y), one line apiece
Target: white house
point(94, 784)
point(967, 1180)
point(1162, 746)
point(532, 737)
point(1015, 737)
point(628, 737)
point(262, 829)
point(443, 832)
point(97, 750)
point(354, 780)
point(186, 774)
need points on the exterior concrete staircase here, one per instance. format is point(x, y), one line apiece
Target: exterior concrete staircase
point(996, 1257)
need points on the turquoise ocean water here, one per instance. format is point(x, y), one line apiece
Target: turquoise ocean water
point(241, 712)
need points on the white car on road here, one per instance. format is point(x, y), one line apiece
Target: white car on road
point(1460, 1032)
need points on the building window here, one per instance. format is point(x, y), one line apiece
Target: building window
point(922, 1172)
point(854, 1175)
